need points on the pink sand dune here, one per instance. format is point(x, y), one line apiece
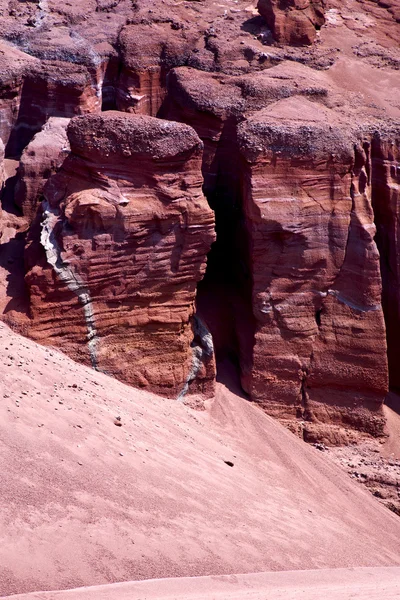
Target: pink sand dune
point(85, 502)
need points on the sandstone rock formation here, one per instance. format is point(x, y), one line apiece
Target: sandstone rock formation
point(2, 178)
point(320, 335)
point(124, 236)
point(293, 21)
point(13, 66)
point(52, 89)
point(292, 288)
point(295, 213)
point(40, 159)
point(147, 53)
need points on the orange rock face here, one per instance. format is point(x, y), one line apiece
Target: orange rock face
point(298, 146)
point(385, 174)
point(293, 21)
point(124, 236)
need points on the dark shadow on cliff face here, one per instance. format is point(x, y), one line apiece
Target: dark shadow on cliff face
point(13, 296)
point(30, 120)
point(385, 180)
point(224, 295)
point(12, 261)
point(7, 197)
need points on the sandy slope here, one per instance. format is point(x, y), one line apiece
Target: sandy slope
point(330, 584)
point(84, 502)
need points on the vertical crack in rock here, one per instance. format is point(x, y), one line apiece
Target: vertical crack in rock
point(202, 349)
point(305, 409)
point(66, 274)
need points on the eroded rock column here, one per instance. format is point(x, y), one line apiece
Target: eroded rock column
point(319, 349)
point(123, 242)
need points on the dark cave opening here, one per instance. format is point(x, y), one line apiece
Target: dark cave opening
point(224, 294)
point(385, 179)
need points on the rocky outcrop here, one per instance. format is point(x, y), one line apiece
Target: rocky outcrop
point(148, 52)
point(2, 179)
point(295, 245)
point(52, 89)
point(124, 237)
point(40, 159)
point(293, 22)
point(13, 66)
point(319, 347)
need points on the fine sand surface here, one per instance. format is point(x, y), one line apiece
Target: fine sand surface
point(86, 502)
point(325, 584)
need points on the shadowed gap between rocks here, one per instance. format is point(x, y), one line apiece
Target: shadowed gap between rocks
point(224, 294)
point(385, 180)
point(12, 244)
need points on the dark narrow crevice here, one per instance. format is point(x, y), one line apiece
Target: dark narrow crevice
point(110, 84)
point(224, 295)
point(14, 297)
point(385, 179)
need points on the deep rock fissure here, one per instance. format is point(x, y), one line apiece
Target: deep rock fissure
point(224, 294)
point(384, 171)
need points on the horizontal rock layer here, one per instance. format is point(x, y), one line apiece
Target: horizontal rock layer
point(40, 159)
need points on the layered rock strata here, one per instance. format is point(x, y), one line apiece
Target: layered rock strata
point(124, 237)
point(310, 339)
point(2, 179)
point(14, 64)
point(52, 89)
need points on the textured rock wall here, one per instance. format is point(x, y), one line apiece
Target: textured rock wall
point(320, 350)
point(123, 242)
point(293, 21)
point(13, 66)
point(53, 89)
point(147, 54)
point(298, 236)
point(2, 179)
point(40, 159)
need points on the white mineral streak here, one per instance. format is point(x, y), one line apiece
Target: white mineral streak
point(201, 351)
point(66, 274)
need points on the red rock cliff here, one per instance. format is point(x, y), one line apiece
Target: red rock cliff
point(124, 236)
point(320, 347)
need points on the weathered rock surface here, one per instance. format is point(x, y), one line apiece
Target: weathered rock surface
point(320, 335)
point(301, 229)
point(2, 179)
point(52, 89)
point(124, 237)
point(13, 66)
point(293, 21)
point(314, 358)
point(40, 159)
